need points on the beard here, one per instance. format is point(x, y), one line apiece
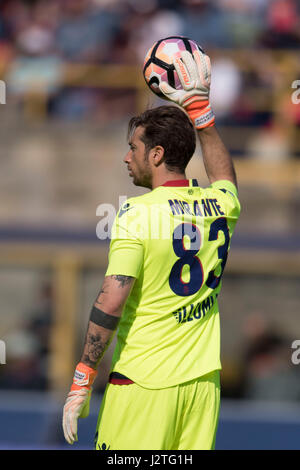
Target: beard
point(144, 178)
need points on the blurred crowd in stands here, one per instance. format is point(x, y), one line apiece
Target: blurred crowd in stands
point(263, 370)
point(27, 346)
point(120, 30)
point(40, 39)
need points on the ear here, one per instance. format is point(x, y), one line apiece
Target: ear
point(157, 155)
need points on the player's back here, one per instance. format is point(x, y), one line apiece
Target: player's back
point(178, 236)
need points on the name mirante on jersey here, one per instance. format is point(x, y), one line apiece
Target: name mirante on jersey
point(204, 208)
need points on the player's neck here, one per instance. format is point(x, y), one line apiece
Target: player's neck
point(162, 178)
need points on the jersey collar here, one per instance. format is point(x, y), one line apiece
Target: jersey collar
point(192, 182)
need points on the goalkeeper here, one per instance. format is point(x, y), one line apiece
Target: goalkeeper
point(162, 294)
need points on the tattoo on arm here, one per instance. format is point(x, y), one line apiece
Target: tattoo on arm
point(123, 280)
point(103, 291)
point(95, 347)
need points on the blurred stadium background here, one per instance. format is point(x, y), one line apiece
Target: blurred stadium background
point(72, 70)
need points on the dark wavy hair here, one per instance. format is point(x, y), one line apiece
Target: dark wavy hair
point(171, 128)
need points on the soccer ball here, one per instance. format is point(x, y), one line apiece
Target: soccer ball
point(158, 63)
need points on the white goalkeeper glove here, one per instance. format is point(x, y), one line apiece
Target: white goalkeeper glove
point(194, 74)
point(77, 404)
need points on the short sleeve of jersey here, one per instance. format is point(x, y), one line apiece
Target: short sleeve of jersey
point(126, 248)
point(230, 194)
point(225, 185)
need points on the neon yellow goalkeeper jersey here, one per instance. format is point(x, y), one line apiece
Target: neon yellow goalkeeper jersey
point(174, 240)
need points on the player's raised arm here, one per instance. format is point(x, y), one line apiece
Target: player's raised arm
point(103, 322)
point(217, 160)
point(194, 73)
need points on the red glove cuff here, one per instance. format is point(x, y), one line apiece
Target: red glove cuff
point(200, 112)
point(84, 377)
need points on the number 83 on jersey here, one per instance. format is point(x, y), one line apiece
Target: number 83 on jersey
point(188, 257)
